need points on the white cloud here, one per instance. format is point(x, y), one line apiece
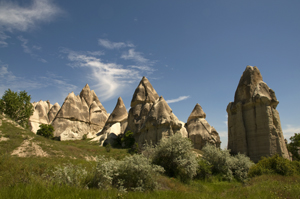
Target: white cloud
point(135, 56)
point(27, 49)
point(177, 99)
point(143, 68)
point(24, 44)
point(16, 17)
point(110, 78)
point(113, 45)
point(290, 130)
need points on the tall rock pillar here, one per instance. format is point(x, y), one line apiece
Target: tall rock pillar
point(254, 127)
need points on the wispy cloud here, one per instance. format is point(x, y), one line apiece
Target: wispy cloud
point(113, 45)
point(9, 80)
point(143, 68)
point(290, 130)
point(131, 54)
point(17, 83)
point(177, 99)
point(28, 50)
point(110, 78)
point(15, 17)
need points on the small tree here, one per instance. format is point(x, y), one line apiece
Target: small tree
point(46, 130)
point(294, 146)
point(17, 106)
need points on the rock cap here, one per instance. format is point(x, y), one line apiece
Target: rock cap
point(197, 113)
point(144, 93)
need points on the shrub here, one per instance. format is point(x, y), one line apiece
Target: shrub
point(128, 140)
point(108, 147)
point(84, 137)
point(219, 159)
point(134, 149)
point(175, 155)
point(203, 170)
point(273, 165)
point(17, 106)
point(134, 173)
point(223, 163)
point(46, 130)
point(69, 174)
point(240, 166)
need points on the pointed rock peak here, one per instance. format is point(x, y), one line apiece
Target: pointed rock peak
point(197, 113)
point(120, 102)
point(250, 79)
point(71, 95)
point(56, 104)
point(119, 114)
point(144, 93)
point(87, 87)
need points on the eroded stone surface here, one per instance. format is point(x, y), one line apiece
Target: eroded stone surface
point(150, 118)
point(200, 132)
point(42, 110)
point(254, 126)
point(115, 125)
point(79, 115)
point(160, 122)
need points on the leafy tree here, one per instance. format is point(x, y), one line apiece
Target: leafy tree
point(294, 146)
point(17, 106)
point(46, 130)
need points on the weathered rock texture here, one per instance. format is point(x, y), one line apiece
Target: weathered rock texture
point(150, 117)
point(115, 125)
point(79, 115)
point(200, 132)
point(43, 113)
point(254, 126)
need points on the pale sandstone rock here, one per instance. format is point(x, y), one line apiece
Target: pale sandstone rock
point(141, 103)
point(80, 115)
point(53, 112)
point(74, 108)
point(160, 122)
point(254, 126)
point(116, 123)
point(150, 118)
point(40, 115)
point(200, 132)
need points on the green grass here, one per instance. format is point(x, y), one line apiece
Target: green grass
point(27, 177)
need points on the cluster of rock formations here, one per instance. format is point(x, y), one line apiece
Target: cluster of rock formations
point(254, 127)
point(253, 122)
point(150, 118)
point(79, 115)
point(44, 113)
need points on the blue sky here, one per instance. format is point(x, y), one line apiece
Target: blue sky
point(191, 51)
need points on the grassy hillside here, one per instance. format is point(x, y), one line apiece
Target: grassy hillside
point(26, 162)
